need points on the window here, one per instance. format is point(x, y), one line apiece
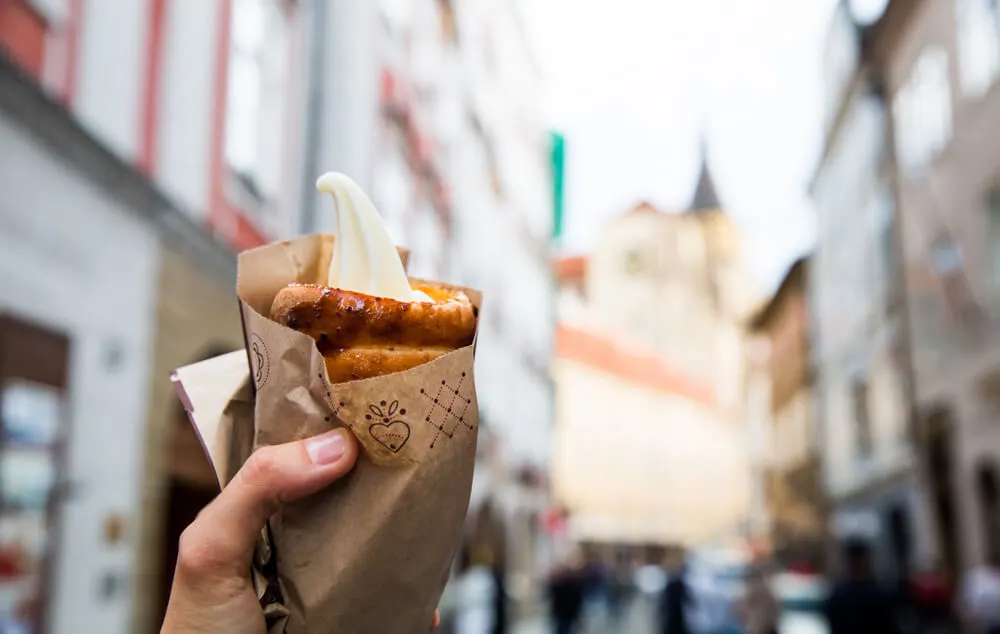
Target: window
point(948, 261)
point(886, 240)
point(840, 59)
point(636, 262)
point(993, 211)
point(256, 91)
point(989, 506)
point(946, 257)
point(978, 44)
point(22, 35)
point(33, 431)
point(862, 421)
point(923, 111)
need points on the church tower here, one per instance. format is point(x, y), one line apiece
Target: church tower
point(705, 198)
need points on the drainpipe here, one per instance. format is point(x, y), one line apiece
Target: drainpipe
point(313, 115)
point(903, 338)
point(903, 333)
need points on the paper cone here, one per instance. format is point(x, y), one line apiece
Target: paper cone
point(370, 554)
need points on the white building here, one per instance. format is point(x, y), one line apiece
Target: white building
point(503, 224)
point(141, 143)
point(130, 134)
point(649, 376)
point(439, 121)
point(868, 460)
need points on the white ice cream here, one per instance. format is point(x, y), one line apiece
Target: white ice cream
point(364, 258)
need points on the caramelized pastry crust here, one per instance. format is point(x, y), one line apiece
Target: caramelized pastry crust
point(361, 336)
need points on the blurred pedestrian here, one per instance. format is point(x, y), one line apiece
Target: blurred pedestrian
point(676, 599)
point(930, 591)
point(759, 608)
point(858, 604)
point(618, 590)
point(566, 594)
point(979, 596)
point(475, 593)
point(212, 592)
point(499, 598)
point(597, 579)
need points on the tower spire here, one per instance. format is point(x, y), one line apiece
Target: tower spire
point(705, 198)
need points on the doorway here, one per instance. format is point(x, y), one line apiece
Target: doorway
point(940, 466)
point(190, 486)
point(34, 368)
point(988, 494)
point(900, 540)
point(184, 502)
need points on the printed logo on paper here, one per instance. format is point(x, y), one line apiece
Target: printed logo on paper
point(260, 360)
point(448, 405)
point(390, 431)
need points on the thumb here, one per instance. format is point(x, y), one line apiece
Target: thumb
point(220, 542)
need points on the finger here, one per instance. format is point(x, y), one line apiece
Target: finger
point(437, 620)
point(222, 537)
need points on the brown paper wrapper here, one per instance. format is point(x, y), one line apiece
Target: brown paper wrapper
point(371, 553)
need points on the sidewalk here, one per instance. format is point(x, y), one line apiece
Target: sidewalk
point(534, 626)
point(637, 619)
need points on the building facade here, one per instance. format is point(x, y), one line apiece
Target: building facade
point(440, 124)
point(649, 374)
point(792, 480)
point(861, 391)
point(940, 64)
point(502, 185)
point(138, 184)
point(143, 143)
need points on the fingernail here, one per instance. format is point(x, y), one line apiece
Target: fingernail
point(326, 448)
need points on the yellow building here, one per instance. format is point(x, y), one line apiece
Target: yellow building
point(649, 444)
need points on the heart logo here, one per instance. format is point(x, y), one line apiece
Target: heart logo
point(392, 436)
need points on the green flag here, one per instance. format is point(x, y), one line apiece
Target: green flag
point(558, 173)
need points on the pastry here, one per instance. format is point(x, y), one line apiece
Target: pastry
point(368, 320)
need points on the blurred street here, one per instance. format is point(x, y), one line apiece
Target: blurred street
point(637, 618)
point(721, 277)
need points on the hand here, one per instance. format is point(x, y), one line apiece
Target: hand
point(212, 591)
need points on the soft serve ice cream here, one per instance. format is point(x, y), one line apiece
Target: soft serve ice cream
point(367, 319)
point(364, 258)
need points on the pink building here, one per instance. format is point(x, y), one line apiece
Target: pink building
point(141, 143)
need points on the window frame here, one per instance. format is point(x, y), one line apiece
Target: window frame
point(923, 111)
point(864, 438)
point(992, 208)
point(252, 181)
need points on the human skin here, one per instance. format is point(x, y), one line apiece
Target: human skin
point(212, 592)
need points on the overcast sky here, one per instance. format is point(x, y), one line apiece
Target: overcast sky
point(633, 87)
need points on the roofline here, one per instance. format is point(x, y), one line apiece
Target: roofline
point(860, 79)
point(797, 272)
point(866, 73)
point(637, 368)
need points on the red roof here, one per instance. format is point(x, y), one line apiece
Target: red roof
point(641, 369)
point(641, 207)
point(571, 268)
